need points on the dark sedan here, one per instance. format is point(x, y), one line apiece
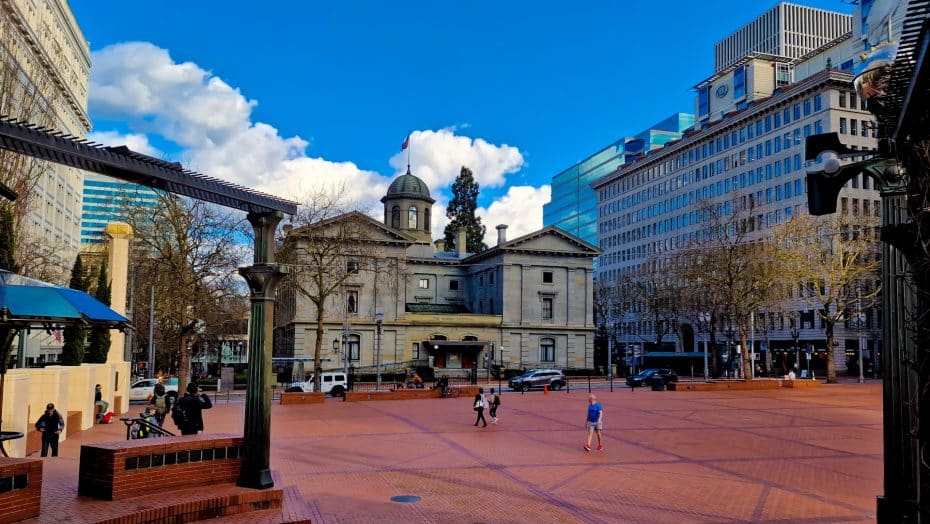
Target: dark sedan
point(644, 377)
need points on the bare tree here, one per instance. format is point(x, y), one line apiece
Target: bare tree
point(329, 245)
point(189, 251)
point(833, 263)
point(656, 286)
point(611, 304)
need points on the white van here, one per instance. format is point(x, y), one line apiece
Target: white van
point(334, 383)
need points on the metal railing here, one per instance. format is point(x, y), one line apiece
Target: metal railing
point(136, 424)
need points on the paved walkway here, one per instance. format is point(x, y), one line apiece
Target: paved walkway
point(753, 456)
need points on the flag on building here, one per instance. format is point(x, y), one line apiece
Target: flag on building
point(406, 143)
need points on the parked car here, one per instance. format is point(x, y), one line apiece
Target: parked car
point(143, 389)
point(537, 378)
point(334, 383)
point(643, 377)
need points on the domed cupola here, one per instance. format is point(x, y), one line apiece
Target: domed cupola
point(407, 206)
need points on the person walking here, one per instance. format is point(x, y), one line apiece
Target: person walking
point(594, 423)
point(495, 403)
point(480, 403)
point(99, 402)
point(188, 410)
point(50, 424)
point(161, 403)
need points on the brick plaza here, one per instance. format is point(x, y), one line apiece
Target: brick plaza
point(744, 456)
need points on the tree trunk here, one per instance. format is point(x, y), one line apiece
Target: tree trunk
point(747, 369)
point(831, 365)
point(318, 349)
point(184, 366)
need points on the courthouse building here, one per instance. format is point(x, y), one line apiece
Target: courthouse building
point(525, 302)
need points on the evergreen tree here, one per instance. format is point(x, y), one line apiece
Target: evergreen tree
point(7, 239)
point(461, 211)
point(72, 351)
point(98, 345)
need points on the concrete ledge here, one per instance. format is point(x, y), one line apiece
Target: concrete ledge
point(728, 385)
point(801, 383)
point(73, 422)
point(303, 398)
point(20, 489)
point(170, 510)
point(397, 394)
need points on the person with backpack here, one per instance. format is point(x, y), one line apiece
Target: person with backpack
point(187, 411)
point(50, 424)
point(148, 420)
point(161, 403)
point(495, 403)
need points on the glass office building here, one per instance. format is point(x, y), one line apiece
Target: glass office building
point(105, 200)
point(573, 205)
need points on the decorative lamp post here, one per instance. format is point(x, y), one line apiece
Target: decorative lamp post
point(704, 326)
point(795, 335)
point(379, 317)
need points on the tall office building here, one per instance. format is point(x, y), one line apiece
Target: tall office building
point(105, 200)
point(786, 30)
point(42, 45)
point(747, 148)
point(573, 205)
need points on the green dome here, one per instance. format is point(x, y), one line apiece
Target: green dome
point(408, 186)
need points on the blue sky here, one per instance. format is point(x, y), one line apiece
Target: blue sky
point(285, 95)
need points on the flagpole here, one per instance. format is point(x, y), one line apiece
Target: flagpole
point(408, 153)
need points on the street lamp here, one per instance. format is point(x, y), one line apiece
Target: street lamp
point(379, 317)
point(704, 326)
point(795, 335)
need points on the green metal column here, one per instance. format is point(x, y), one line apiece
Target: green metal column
point(263, 277)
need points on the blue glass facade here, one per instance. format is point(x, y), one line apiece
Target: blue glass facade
point(105, 200)
point(573, 205)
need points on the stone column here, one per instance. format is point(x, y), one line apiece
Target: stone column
point(263, 277)
point(118, 269)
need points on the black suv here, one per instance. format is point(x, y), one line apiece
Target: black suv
point(644, 377)
point(537, 378)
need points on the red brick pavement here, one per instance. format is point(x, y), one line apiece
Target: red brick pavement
point(731, 456)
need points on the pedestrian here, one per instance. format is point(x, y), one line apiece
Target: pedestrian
point(99, 402)
point(187, 412)
point(495, 403)
point(480, 403)
point(161, 403)
point(594, 423)
point(50, 424)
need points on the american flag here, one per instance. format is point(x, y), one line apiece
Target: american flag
point(57, 335)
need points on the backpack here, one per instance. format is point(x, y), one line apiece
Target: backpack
point(107, 418)
point(180, 416)
point(161, 406)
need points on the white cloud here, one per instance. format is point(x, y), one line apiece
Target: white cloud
point(135, 141)
point(211, 121)
point(520, 209)
point(438, 156)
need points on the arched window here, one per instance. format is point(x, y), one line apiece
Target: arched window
point(395, 217)
point(412, 217)
point(547, 350)
point(426, 219)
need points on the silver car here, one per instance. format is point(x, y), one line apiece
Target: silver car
point(537, 378)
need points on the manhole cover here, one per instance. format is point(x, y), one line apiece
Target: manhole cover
point(405, 498)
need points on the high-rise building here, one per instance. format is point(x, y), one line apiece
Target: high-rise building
point(573, 204)
point(105, 200)
point(786, 30)
point(42, 46)
point(747, 148)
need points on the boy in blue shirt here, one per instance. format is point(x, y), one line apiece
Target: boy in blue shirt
point(594, 422)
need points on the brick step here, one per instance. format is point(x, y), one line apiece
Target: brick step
point(188, 505)
point(293, 510)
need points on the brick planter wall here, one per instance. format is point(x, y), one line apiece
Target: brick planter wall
point(407, 394)
point(118, 470)
point(724, 386)
point(20, 489)
point(801, 383)
point(303, 398)
point(73, 422)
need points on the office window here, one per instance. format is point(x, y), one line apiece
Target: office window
point(865, 128)
point(843, 125)
point(454, 285)
point(842, 95)
point(853, 126)
point(817, 103)
point(739, 83)
point(423, 283)
point(768, 148)
point(797, 111)
point(777, 119)
point(547, 309)
point(818, 127)
point(852, 100)
point(703, 101)
point(354, 345)
point(547, 277)
point(777, 144)
point(352, 266)
point(807, 130)
point(786, 116)
point(768, 123)
point(547, 350)
point(807, 106)
point(352, 302)
point(416, 351)
point(412, 217)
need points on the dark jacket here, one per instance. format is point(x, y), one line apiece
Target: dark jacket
point(193, 405)
point(50, 420)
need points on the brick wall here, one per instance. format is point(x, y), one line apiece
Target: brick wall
point(303, 398)
point(73, 422)
point(20, 489)
point(406, 394)
point(118, 470)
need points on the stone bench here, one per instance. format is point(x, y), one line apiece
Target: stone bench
point(123, 469)
point(728, 385)
point(20, 489)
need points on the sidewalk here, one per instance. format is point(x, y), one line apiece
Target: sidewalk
point(759, 456)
